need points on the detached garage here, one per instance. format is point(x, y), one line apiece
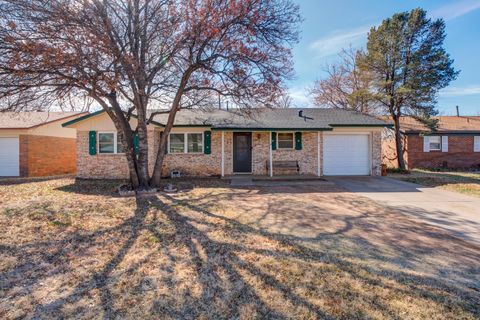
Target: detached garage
point(347, 154)
point(35, 144)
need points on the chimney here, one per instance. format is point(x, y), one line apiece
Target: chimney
point(458, 111)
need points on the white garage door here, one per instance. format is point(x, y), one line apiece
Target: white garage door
point(346, 154)
point(9, 157)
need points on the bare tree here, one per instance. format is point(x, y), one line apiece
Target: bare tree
point(131, 55)
point(345, 86)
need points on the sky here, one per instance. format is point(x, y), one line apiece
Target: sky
point(329, 26)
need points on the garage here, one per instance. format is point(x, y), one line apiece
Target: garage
point(346, 155)
point(9, 157)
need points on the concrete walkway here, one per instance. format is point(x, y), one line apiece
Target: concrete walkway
point(452, 211)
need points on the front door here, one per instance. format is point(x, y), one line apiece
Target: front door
point(242, 152)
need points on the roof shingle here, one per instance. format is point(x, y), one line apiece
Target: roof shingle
point(285, 118)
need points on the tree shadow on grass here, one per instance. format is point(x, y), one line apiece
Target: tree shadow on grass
point(231, 267)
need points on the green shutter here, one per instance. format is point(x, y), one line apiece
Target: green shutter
point(298, 141)
point(274, 141)
point(92, 143)
point(135, 142)
point(207, 140)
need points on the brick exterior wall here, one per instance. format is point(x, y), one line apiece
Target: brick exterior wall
point(42, 156)
point(115, 166)
point(460, 153)
point(307, 157)
point(201, 164)
point(23, 141)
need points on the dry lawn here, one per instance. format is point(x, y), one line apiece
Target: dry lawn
point(73, 249)
point(459, 181)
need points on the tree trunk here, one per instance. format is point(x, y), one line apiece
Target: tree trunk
point(138, 170)
point(157, 169)
point(398, 143)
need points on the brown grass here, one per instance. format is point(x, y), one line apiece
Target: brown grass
point(73, 249)
point(459, 181)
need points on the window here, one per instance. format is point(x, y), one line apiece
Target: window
point(177, 143)
point(108, 143)
point(435, 143)
point(285, 140)
point(186, 143)
point(194, 142)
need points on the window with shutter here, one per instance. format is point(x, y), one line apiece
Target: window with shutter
point(435, 143)
point(285, 140)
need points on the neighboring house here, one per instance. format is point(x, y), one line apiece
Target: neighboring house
point(221, 142)
point(455, 144)
point(35, 144)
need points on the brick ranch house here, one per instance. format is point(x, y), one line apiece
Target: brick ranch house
point(221, 143)
point(455, 144)
point(34, 144)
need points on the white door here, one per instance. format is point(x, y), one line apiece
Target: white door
point(9, 157)
point(346, 155)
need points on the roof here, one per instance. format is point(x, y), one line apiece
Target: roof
point(264, 119)
point(446, 124)
point(27, 120)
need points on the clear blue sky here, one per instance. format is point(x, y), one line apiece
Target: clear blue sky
point(332, 25)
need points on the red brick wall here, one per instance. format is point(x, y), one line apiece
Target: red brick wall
point(23, 140)
point(47, 156)
point(460, 153)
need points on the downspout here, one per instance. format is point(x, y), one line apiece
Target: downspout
point(271, 155)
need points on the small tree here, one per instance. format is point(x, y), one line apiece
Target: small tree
point(132, 55)
point(345, 86)
point(408, 65)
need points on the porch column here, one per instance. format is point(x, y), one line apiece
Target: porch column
point(223, 153)
point(318, 153)
point(270, 153)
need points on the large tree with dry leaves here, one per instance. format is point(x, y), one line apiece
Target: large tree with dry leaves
point(133, 55)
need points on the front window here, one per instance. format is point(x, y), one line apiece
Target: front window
point(106, 142)
point(177, 143)
point(285, 140)
point(186, 143)
point(109, 142)
point(194, 142)
point(435, 143)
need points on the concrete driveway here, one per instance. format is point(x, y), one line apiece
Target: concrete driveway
point(451, 211)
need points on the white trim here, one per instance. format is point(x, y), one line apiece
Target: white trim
point(270, 153)
point(318, 153)
point(223, 153)
point(185, 143)
point(278, 144)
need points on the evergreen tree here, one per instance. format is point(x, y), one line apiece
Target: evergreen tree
point(406, 58)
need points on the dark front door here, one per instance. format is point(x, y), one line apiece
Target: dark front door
point(242, 152)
